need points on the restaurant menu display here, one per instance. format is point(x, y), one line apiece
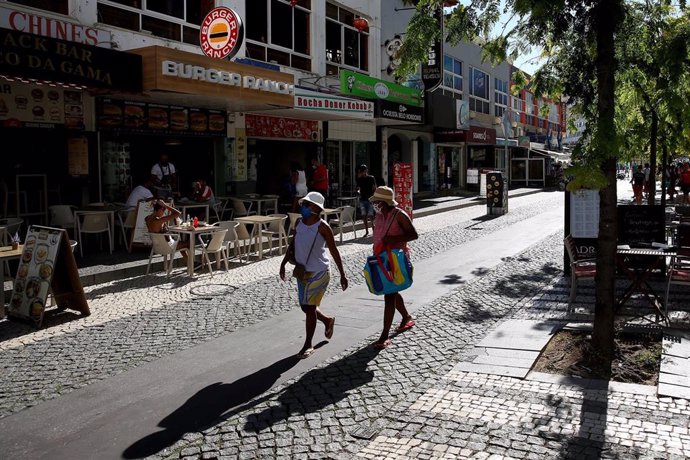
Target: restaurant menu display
point(132, 116)
point(35, 273)
point(285, 128)
point(34, 106)
point(584, 214)
point(116, 175)
point(402, 184)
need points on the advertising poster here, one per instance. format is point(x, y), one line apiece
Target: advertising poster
point(402, 184)
point(78, 156)
point(33, 106)
point(35, 273)
point(584, 214)
point(279, 127)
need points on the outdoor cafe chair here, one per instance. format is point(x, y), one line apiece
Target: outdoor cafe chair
point(244, 239)
point(216, 245)
point(93, 223)
point(271, 205)
point(231, 239)
point(678, 273)
point(276, 230)
point(165, 245)
point(580, 268)
point(240, 209)
point(293, 220)
point(346, 217)
point(62, 216)
point(128, 223)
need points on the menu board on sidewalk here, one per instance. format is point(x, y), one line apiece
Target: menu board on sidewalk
point(641, 225)
point(584, 214)
point(47, 263)
point(402, 184)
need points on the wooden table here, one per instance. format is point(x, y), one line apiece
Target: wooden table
point(6, 253)
point(258, 200)
point(193, 233)
point(258, 223)
point(109, 211)
point(639, 275)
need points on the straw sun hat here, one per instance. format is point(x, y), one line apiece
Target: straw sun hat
point(385, 194)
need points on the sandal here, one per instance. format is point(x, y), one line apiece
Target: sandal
point(408, 325)
point(329, 329)
point(305, 354)
point(382, 345)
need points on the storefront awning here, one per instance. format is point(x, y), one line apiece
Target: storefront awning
point(563, 157)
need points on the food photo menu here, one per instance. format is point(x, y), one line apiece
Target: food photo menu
point(35, 273)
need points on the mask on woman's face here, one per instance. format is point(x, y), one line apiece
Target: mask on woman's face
point(306, 212)
point(378, 207)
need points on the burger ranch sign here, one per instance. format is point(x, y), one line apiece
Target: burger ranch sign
point(222, 77)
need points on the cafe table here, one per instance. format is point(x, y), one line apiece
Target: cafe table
point(258, 223)
point(348, 200)
point(6, 253)
point(184, 206)
point(193, 233)
point(647, 261)
point(258, 199)
point(331, 212)
point(109, 211)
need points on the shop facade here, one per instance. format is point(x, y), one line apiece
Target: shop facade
point(47, 119)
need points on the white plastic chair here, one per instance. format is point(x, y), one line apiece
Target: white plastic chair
point(293, 220)
point(93, 223)
point(165, 245)
point(346, 217)
point(218, 209)
point(216, 245)
point(127, 224)
point(276, 230)
point(62, 216)
point(240, 209)
point(244, 238)
point(231, 240)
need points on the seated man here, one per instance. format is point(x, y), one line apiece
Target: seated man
point(140, 193)
point(157, 222)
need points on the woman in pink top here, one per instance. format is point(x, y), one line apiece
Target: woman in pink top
point(392, 228)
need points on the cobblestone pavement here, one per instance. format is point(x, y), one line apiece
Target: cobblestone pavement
point(138, 320)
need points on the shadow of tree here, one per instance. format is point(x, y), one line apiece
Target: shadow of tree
point(515, 286)
point(208, 405)
point(475, 313)
point(317, 389)
point(452, 279)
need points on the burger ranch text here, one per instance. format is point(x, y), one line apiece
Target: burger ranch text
point(221, 77)
point(316, 103)
point(55, 57)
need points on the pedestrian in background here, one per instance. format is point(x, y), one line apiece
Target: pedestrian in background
point(319, 177)
point(299, 181)
point(392, 229)
point(311, 237)
point(647, 187)
point(366, 185)
point(637, 182)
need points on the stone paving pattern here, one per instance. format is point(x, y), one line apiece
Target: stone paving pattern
point(409, 393)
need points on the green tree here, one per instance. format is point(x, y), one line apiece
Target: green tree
point(578, 39)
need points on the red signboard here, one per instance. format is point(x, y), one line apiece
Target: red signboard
point(221, 33)
point(284, 128)
point(402, 184)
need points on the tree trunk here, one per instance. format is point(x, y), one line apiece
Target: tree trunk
point(653, 133)
point(607, 17)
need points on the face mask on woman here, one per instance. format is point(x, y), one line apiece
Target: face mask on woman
point(306, 212)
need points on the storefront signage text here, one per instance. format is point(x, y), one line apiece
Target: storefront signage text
point(312, 100)
point(31, 56)
point(356, 84)
point(221, 33)
point(402, 112)
point(477, 135)
point(24, 21)
point(221, 77)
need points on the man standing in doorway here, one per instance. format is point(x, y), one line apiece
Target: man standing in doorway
point(366, 185)
point(164, 177)
point(319, 178)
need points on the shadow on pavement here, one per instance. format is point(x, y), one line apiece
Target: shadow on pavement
point(13, 328)
point(208, 405)
point(177, 280)
point(317, 389)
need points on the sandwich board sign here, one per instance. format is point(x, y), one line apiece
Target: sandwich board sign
point(46, 264)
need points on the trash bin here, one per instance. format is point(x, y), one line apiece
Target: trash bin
point(496, 193)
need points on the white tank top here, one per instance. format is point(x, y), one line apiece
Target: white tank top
point(301, 185)
point(305, 236)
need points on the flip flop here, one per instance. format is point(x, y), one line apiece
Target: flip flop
point(408, 325)
point(380, 346)
point(329, 329)
point(306, 353)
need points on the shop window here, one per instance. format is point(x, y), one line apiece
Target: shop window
point(479, 88)
point(500, 97)
point(56, 6)
point(452, 73)
point(177, 20)
point(499, 110)
point(345, 45)
point(282, 29)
